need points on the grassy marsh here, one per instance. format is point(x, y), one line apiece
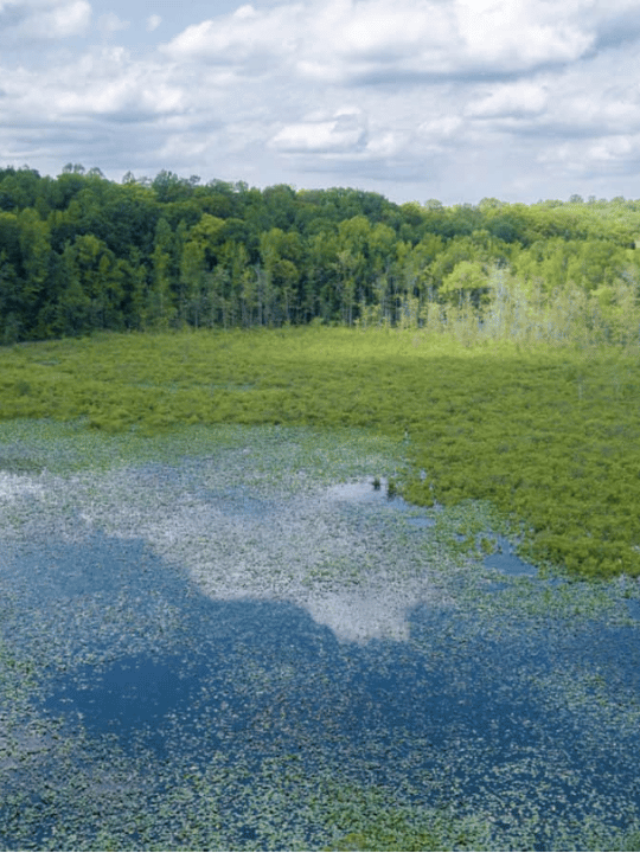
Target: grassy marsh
point(549, 435)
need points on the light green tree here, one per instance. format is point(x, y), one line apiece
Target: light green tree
point(467, 280)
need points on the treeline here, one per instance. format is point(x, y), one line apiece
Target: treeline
point(80, 253)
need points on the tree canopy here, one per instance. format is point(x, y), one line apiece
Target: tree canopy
point(80, 252)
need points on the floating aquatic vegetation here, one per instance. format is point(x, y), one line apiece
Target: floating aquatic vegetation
point(228, 639)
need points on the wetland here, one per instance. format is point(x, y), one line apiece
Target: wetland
point(319, 519)
point(225, 637)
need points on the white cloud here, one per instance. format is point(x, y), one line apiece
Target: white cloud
point(351, 42)
point(346, 131)
point(244, 38)
point(441, 128)
point(589, 99)
point(43, 19)
point(378, 30)
point(111, 23)
point(107, 84)
point(364, 91)
point(521, 34)
point(607, 157)
point(341, 40)
point(520, 98)
point(385, 145)
point(613, 148)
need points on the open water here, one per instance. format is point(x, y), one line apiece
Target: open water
point(141, 710)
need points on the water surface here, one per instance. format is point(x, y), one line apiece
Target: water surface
point(195, 656)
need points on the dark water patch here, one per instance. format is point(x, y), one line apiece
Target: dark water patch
point(98, 600)
point(215, 671)
point(463, 713)
point(634, 608)
point(227, 702)
point(130, 696)
point(99, 565)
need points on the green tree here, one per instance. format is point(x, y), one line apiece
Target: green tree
point(279, 252)
point(35, 249)
point(10, 314)
point(73, 315)
point(159, 309)
point(192, 281)
point(93, 268)
point(467, 281)
point(201, 289)
point(354, 237)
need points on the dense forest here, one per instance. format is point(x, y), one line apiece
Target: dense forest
point(80, 252)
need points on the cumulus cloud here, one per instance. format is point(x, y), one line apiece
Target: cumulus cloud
point(247, 37)
point(344, 132)
point(520, 34)
point(388, 94)
point(518, 98)
point(107, 84)
point(342, 40)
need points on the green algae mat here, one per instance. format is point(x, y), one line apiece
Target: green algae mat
point(240, 637)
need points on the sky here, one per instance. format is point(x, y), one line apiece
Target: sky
point(455, 100)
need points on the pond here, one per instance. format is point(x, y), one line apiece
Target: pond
point(240, 643)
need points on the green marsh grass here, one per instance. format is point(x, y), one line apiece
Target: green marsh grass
point(549, 435)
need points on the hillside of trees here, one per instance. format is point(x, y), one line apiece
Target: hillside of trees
point(80, 253)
